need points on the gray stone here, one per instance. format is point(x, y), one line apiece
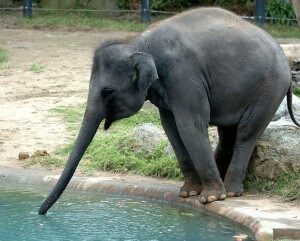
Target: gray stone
point(169, 150)
point(277, 152)
point(282, 114)
point(149, 137)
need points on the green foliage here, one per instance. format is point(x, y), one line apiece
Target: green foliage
point(297, 92)
point(238, 6)
point(171, 5)
point(280, 9)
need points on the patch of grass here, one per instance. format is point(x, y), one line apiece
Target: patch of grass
point(287, 185)
point(116, 150)
point(3, 58)
point(47, 161)
point(37, 68)
point(282, 31)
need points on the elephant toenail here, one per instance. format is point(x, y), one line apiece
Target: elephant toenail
point(193, 193)
point(223, 196)
point(211, 199)
point(230, 194)
point(183, 194)
point(203, 199)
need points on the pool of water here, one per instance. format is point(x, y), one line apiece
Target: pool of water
point(87, 216)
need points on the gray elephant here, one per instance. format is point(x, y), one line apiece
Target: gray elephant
point(202, 67)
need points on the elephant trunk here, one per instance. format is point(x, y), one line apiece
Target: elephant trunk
point(92, 118)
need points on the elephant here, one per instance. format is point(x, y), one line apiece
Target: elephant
point(203, 67)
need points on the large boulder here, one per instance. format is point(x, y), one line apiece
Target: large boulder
point(149, 138)
point(277, 152)
point(296, 74)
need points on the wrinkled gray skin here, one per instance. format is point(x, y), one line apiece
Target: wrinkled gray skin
point(203, 67)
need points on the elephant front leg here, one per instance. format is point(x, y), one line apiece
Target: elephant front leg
point(192, 182)
point(194, 135)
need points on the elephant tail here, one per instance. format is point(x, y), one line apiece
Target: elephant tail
point(289, 105)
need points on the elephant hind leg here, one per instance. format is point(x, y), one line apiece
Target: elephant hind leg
point(224, 150)
point(252, 124)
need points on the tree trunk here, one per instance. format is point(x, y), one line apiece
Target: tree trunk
point(296, 7)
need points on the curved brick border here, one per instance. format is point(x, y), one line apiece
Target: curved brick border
point(153, 190)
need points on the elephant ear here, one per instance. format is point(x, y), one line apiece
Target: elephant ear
point(145, 70)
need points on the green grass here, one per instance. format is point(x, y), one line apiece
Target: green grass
point(37, 68)
point(287, 185)
point(115, 150)
point(282, 31)
point(3, 58)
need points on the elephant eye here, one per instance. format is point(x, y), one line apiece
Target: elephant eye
point(108, 92)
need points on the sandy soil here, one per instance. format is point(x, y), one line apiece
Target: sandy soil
point(27, 96)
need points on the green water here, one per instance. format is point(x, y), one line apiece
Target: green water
point(85, 216)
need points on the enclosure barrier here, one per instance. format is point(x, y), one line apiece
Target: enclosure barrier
point(145, 11)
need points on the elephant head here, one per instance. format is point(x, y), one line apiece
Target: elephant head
point(118, 87)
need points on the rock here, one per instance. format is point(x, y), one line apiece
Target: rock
point(149, 137)
point(296, 74)
point(23, 155)
point(283, 113)
point(277, 152)
point(169, 150)
point(40, 153)
point(291, 51)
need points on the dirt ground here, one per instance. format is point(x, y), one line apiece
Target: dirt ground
point(27, 96)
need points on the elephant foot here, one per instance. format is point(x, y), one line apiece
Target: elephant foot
point(212, 194)
point(192, 187)
point(234, 190)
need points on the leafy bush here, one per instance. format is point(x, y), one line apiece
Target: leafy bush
point(280, 10)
